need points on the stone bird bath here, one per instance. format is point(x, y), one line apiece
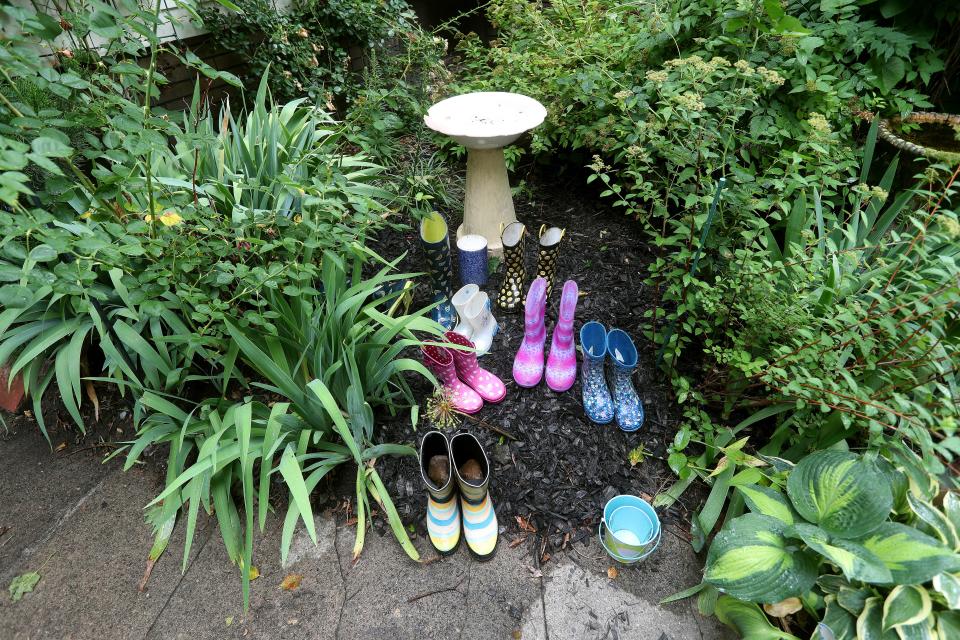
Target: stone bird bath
point(484, 123)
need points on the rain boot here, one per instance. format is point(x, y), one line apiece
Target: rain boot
point(435, 240)
point(482, 321)
point(623, 354)
point(550, 240)
point(489, 386)
point(443, 508)
point(439, 361)
point(597, 403)
point(514, 238)
point(528, 363)
point(460, 301)
point(562, 361)
point(472, 469)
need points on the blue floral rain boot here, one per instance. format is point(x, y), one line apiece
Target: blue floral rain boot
point(443, 508)
point(597, 402)
point(473, 478)
point(623, 355)
point(435, 240)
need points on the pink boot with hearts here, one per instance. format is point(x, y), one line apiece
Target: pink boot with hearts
point(489, 386)
point(440, 362)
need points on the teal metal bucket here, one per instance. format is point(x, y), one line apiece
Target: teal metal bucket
point(629, 529)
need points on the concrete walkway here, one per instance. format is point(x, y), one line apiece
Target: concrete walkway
point(79, 523)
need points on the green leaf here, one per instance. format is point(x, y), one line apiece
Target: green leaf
point(290, 470)
point(853, 600)
point(911, 556)
point(750, 559)
point(844, 494)
point(23, 584)
point(748, 620)
point(768, 502)
point(870, 621)
point(948, 624)
point(938, 521)
point(906, 605)
point(104, 24)
point(856, 562)
point(842, 624)
point(948, 586)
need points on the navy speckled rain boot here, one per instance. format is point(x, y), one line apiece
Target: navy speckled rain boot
point(435, 240)
point(623, 355)
point(597, 402)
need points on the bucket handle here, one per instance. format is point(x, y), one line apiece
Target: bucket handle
point(620, 558)
point(639, 548)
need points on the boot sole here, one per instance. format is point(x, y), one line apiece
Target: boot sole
point(452, 551)
point(486, 558)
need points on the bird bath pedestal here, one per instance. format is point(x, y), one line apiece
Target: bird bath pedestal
point(484, 123)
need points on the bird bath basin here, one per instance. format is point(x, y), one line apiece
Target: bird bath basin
point(484, 123)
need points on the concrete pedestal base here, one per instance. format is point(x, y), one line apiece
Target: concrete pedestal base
point(488, 202)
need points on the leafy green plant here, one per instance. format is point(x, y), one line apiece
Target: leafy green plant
point(333, 356)
point(856, 538)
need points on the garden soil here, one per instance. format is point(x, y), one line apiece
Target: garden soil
point(554, 479)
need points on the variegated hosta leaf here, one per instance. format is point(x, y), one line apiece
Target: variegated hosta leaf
point(870, 622)
point(853, 600)
point(752, 560)
point(768, 502)
point(906, 606)
point(941, 525)
point(748, 620)
point(912, 557)
point(921, 631)
point(844, 494)
point(856, 562)
point(951, 507)
point(831, 583)
point(948, 585)
point(841, 623)
point(948, 625)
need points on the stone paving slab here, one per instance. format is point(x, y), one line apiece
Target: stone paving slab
point(85, 520)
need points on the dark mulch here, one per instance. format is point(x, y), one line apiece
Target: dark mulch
point(562, 468)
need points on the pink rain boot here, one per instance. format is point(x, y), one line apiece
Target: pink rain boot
point(489, 386)
point(528, 363)
point(440, 362)
point(562, 362)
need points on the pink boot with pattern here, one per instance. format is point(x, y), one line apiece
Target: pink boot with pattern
point(562, 361)
point(528, 363)
point(439, 360)
point(489, 386)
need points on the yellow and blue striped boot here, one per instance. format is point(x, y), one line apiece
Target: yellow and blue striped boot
point(473, 478)
point(443, 510)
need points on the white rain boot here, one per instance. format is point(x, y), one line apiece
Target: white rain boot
point(481, 319)
point(461, 299)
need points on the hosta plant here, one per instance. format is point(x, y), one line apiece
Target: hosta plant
point(854, 544)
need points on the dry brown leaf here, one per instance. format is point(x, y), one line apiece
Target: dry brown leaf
point(291, 582)
point(612, 573)
point(525, 525)
point(517, 542)
point(783, 608)
point(92, 397)
point(61, 446)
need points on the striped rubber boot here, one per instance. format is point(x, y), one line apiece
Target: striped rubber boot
point(435, 240)
point(473, 478)
point(443, 509)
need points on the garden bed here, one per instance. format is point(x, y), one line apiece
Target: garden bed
point(562, 468)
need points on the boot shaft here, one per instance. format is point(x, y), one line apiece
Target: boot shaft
point(435, 240)
point(464, 448)
point(534, 309)
point(514, 239)
point(440, 362)
point(563, 331)
point(547, 254)
point(435, 459)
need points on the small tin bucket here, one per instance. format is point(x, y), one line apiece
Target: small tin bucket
point(629, 529)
